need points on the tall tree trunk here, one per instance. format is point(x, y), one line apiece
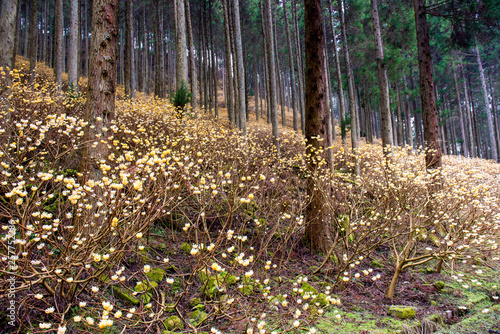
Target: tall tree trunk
point(465, 150)
point(17, 34)
point(427, 97)
point(300, 67)
point(208, 50)
point(229, 65)
point(494, 112)
point(214, 73)
point(73, 46)
point(408, 128)
point(256, 89)
point(491, 128)
point(130, 62)
point(292, 69)
point(86, 40)
point(272, 75)
point(145, 54)
point(8, 14)
point(279, 78)
point(181, 69)
point(33, 38)
point(338, 74)
point(350, 91)
point(317, 227)
point(399, 113)
point(385, 110)
point(7, 57)
point(102, 83)
point(27, 30)
point(368, 117)
point(43, 33)
point(241, 68)
point(327, 114)
point(59, 42)
point(266, 61)
point(159, 55)
point(329, 96)
point(192, 59)
point(469, 117)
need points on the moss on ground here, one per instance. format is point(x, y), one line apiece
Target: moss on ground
point(351, 323)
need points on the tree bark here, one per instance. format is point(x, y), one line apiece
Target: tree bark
point(300, 67)
point(130, 63)
point(292, 69)
point(241, 68)
point(159, 56)
point(350, 91)
point(102, 84)
point(266, 61)
point(427, 97)
point(59, 42)
point(73, 46)
point(256, 89)
point(145, 55)
point(385, 111)
point(272, 74)
point(408, 127)
point(468, 117)
point(181, 70)
point(8, 14)
point(86, 40)
point(491, 128)
point(192, 60)
point(317, 227)
point(338, 73)
point(215, 80)
point(229, 65)
point(399, 113)
point(465, 150)
point(33, 38)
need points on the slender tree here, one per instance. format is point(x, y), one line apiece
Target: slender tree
point(465, 149)
point(58, 56)
point(33, 38)
point(385, 111)
point(159, 56)
point(73, 45)
point(130, 84)
point(300, 67)
point(427, 95)
point(241, 68)
point(338, 74)
point(229, 65)
point(272, 74)
point(292, 69)
point(192, 59)
point(350, 90)
point(317, 226)
point(487, 108)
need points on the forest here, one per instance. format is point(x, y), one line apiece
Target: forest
point(250, 166)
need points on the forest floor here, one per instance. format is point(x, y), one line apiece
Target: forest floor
point(210, 229)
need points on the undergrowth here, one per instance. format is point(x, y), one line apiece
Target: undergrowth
point(193, 227)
